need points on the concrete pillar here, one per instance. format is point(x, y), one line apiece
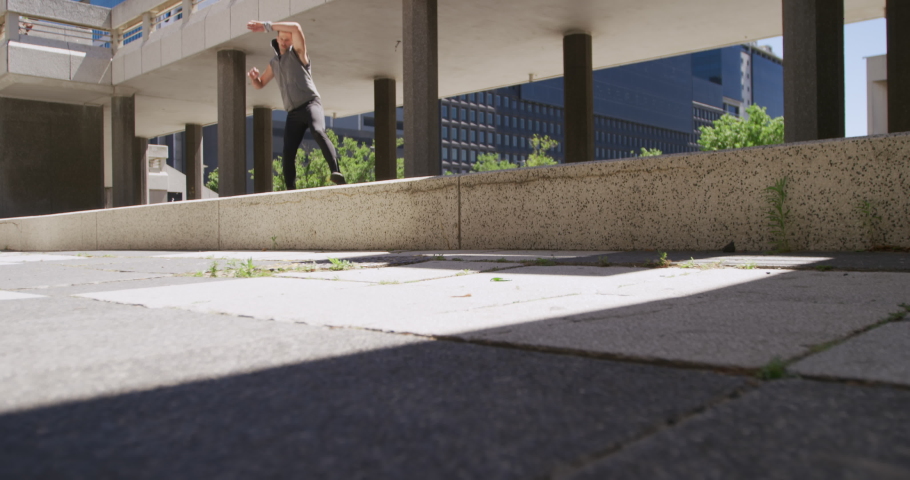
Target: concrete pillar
point(192, 156)
point(814, 69)
point(897, 13)
point(385, 129)
point(231, 123)
point(262, 149)
point(187, 10)
point(142, 147)
point(579, 97)
point(421, 89)
point(125, 158)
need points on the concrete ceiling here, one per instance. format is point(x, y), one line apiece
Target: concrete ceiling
point(482, 45)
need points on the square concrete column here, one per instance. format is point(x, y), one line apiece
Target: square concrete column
point(192, 155)
point(142, 148)
point(813, 69)
point(579, 97)
point(231, 123)
point(126, 160)
point(262, 149)
point(421, 89)
point(897, 13)
point(386, 131)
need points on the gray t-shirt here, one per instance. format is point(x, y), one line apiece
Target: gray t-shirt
point(295, 79)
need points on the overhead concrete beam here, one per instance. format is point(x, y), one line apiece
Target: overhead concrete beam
point(814, 73)
point(421, 89)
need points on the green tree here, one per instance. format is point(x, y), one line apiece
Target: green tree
point(648, 152)
point(733, 132)
point(489, 162)
point(212, 184)
point(540, 147)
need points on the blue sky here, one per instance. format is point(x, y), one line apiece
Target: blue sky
point(861, 40)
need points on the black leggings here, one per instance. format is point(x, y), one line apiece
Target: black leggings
point(309, 115)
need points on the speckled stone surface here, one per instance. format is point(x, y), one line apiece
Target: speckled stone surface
point(68, 231)
point(177, 226)
point(696, 201)
point(413, 214)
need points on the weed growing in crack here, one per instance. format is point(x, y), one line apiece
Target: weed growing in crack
point(502, 260)
point(687, 264)
point(435, 257)
point(778, 215)
point(824, 268)
point(339, 265)
point(747, 266)
point(465, 272)
point(603, 261)
point(661, 262)
point(773, 370)
point(389, 282)
point(213, 269)
point(871, 221)
point(898, 316)
point(274, 242)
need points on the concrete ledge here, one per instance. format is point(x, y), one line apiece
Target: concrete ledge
point(176, 225)
point(67, 231)
point(680, 202)
point(396, 215)
point(696, 201)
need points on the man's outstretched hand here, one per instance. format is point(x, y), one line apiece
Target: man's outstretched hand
point(255, 26)
point(253, 73)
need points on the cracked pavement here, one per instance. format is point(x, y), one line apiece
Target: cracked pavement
point(454, 364)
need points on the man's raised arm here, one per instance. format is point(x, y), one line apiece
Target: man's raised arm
point(297, 38)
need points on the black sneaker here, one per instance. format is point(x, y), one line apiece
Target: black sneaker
point(337, 178)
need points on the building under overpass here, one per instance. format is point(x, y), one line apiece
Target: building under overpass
point(99, 81)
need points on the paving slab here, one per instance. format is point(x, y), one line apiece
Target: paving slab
point(59, 349)
point(412, 411)
point(721, 317)
point(17, 295)
point(879, 355)
point(507, 255)
point(411, 273)
point(16, 257)
point(119, 285)
point(57, 274)
point(278, 255)
point(861, 261)
point(335, 303)
point(785, 429)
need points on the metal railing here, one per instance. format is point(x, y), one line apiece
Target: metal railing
point(131, 34)
point(169, 16)
point(41, 28)
point(200, 4)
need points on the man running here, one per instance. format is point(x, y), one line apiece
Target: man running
point(291, 66)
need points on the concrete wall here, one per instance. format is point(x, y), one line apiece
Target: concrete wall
point(51, 158)
point(688, 201)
